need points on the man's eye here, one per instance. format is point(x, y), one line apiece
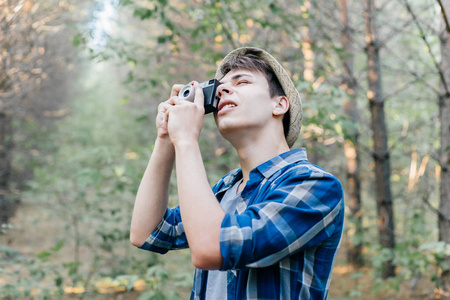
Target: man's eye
point(242, 82)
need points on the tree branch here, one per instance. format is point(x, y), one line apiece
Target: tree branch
point(433, 209)
point(400, 89)
point(412, 72)
point(395, 32)
point(227, 32)
point(424, 38)
point(229, 21)
point(444, 14)
point(435, 157)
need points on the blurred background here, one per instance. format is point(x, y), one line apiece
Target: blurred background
point(79, 85)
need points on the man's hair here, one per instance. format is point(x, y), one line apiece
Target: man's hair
point(250, 61)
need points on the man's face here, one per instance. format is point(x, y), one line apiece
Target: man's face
point(245, 102)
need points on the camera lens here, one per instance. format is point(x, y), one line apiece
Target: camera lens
point(187, 93)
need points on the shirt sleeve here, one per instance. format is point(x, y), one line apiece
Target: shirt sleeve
point(299, 213)
point(168, 235)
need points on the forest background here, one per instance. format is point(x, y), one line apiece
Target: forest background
point(79, 85)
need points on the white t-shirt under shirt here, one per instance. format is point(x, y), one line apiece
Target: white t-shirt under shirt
point(216, 286)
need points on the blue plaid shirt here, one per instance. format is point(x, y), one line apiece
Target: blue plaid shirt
point(283, 238)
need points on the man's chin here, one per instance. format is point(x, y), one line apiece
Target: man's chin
point(227, 128)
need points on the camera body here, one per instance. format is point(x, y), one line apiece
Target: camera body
point(209, 92)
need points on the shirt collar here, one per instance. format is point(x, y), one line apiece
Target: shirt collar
point(268, 168)
point(228, 181)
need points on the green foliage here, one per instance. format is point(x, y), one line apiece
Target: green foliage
point(32, 274)
point(439, 252)
point(96, 166)
point(79, 40)
point(87, 166)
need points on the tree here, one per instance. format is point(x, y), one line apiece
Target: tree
point(5, 165)
point(31, 47)
point(20, 48)
point(442, 72)
point(379, 130)
point(351, 145)
point(444, 116)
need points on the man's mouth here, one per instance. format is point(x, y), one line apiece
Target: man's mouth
point(225, 105)
point(228, 106)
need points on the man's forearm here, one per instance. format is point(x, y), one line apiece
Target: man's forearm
point(201, 212)
point(153, 193)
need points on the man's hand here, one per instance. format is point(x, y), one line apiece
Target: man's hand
point(163, 108)
point(153, 193)
point(184, 118)
point(200, 211)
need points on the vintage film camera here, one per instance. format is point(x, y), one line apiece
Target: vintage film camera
point(209, 91)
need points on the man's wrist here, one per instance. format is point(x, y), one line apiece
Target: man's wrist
point(164, 145)
point(183, 144)
point(163, 140)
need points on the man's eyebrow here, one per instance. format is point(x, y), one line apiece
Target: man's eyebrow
point(237, 76)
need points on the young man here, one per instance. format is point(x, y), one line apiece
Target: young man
point(269, 230)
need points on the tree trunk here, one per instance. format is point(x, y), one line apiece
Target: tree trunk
point(307, 33)
point(307, 49)
point(444, 114)
point(381, 151)
point(351, 149)
point(5, 165)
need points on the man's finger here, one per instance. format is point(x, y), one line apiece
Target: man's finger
point(176, 88)
point(199, 97)
point(163, 107)
point(172, 100)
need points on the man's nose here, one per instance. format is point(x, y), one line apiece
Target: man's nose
point(224, 88)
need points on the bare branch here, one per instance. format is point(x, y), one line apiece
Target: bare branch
point(424, 38)
point(396, 143)
point(400, 89)
point(435, 157)
point(395, 32)
point(444, 14)
point(433, 209)
point(383, 6)
point(412, 72)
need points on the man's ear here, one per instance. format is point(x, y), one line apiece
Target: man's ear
point(281, 105)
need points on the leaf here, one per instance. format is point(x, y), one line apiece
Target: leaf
point(58, 281)
point(143, 13)
point(197, 46)
point(158, 272)
point(78, 40)
point(125, 2)
point(141, 118)
point(124, 101)
point(170, 25)
point(58, 246)
point(44, 255)
point(162, 2)
point(119, 171)
point(128, 280)
point(72, 266)
point(338, 128)
point(162, 39)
